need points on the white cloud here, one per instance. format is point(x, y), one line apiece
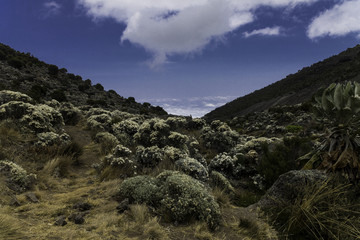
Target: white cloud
point(274, 31)
point(166, 27)
point(196, 106)
point(51, 8)
point(342, 19)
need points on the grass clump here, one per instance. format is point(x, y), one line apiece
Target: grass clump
point(10, 229)
point(325, 211)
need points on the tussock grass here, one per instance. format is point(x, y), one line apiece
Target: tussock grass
point(221, 197)
point(325, 211)
point(58, 166)
point(9, 133)
point(202, 232)
point(10, 228)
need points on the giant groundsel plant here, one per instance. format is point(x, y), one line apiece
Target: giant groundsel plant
point(340, 105)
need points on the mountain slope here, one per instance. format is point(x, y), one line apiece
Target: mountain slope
point(24, 73)
point(295, 88)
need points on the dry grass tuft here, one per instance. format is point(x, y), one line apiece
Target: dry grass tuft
point(140, 213)
point(221, 197)
point(58, 166)
point(202, 232)
point(325, 211)
point(10, 228)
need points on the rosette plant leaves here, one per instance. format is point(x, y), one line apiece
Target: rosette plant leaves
point(340, 105)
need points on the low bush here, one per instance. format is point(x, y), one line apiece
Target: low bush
point(53, 70)
point(176, 196)
point(59, 95)
point(16, 62)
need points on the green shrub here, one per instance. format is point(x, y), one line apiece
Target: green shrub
point(294, 128)
point(282, 158)
point(71, 76)
point(59, 95)
point(63, 70)
point(130, 100)
point(2, 55)
point(186, 198)
point(340, 105)
point(16, 62)
point(175, 195)
point(53, 70)
point(83, 87)
point(98, 86)
point(141, 189)
point(37, 92)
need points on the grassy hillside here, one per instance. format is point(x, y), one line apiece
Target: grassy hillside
point(295, 88)
point(41, 81)
point(72, 167)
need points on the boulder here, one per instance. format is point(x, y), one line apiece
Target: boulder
point(289, 187)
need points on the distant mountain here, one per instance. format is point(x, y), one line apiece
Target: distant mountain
point(295, 88)
point(25, 73)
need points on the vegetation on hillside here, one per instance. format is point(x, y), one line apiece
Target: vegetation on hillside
point(295, 88)
point(76, 166)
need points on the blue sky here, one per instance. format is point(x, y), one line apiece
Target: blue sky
point(187, 56)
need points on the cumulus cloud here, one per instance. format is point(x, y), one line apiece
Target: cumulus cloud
point(274, 31)
point(167, 27)
point(51, 8)
point(196, 106)
point(342, 19)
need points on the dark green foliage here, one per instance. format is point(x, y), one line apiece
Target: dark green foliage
point(82, 87)
point(146, 105)
point(100, 102)
point(294, 128)
point(113, 92)
point(88, 82)
point(98, 86)
point(53, 70)
point(158, 110)
point(63, 70)
point(59, 95)
point(340, 105)
point(130, 100)
point(16, 62)
point(37, 92)
point(71, 76)
point(141, 189)
point(281, 158)
point(175, 195)
point(2, 55)
point(15, 84)
point(78, 78)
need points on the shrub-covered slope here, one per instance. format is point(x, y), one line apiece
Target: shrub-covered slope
point(295, 88)
point(41, 81)
point(74, 171)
